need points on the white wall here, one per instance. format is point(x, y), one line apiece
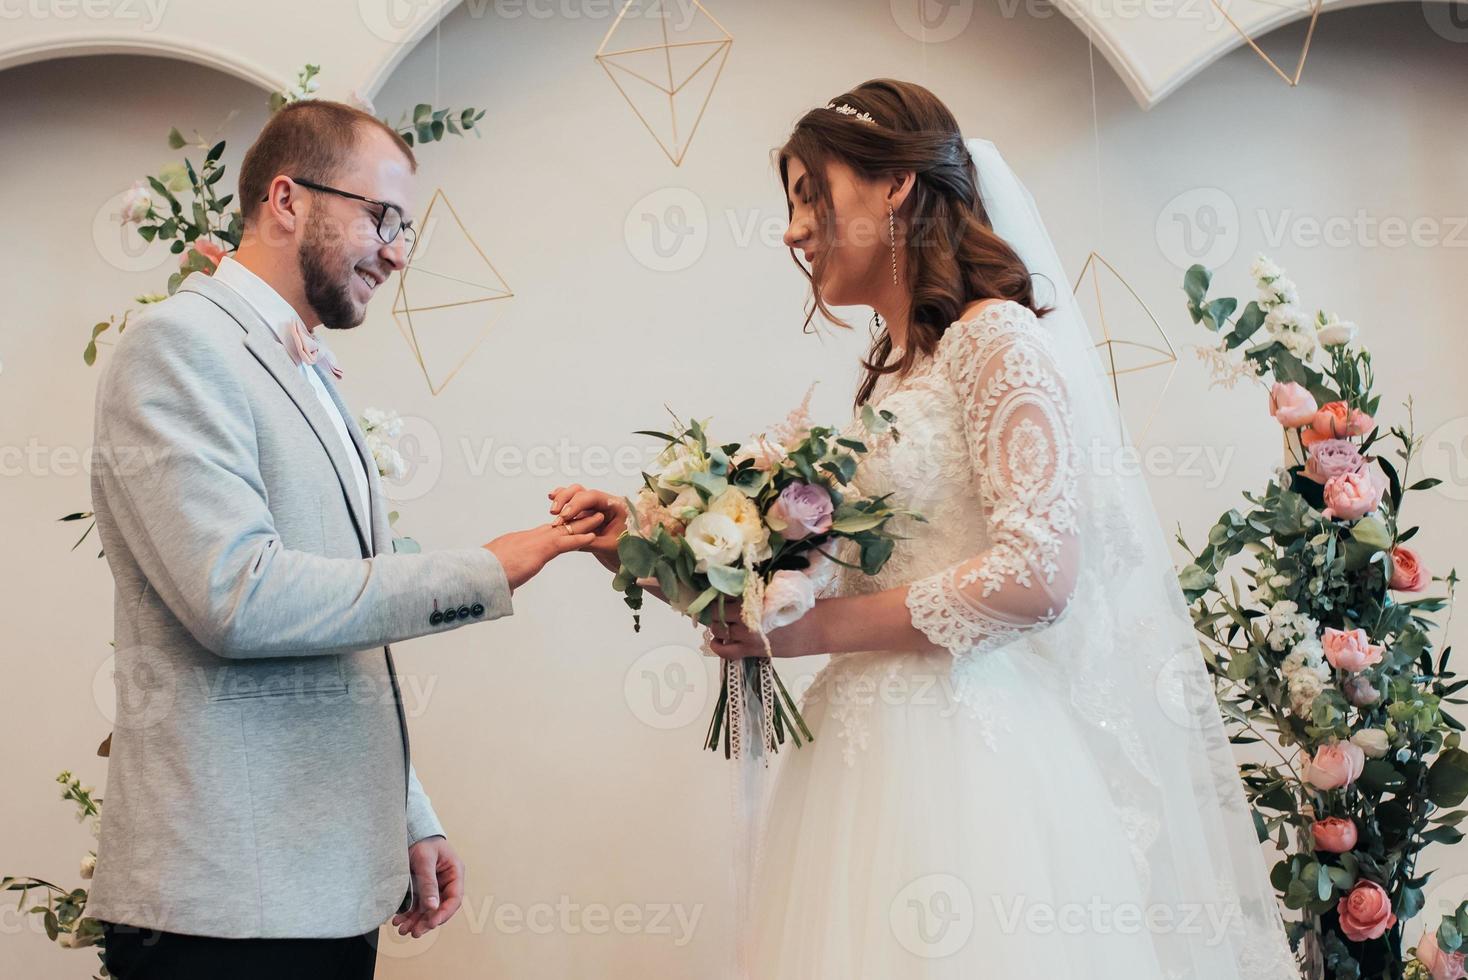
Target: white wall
point(531, 734)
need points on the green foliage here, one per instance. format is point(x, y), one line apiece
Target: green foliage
point(1336, 572)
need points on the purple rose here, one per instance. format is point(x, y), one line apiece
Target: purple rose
point(1359, 691)
point(800, 511)
point(1332, 457)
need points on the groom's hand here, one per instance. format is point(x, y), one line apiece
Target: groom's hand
point(524, 553)
point(438, 887)
point(574, 502)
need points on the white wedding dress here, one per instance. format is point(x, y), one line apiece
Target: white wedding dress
point(947, 821)
point(1053, 795)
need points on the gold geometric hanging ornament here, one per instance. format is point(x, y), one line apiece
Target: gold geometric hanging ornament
point(1131, 345)
point(1303, 7)
point(670, 53)
point(440, 307)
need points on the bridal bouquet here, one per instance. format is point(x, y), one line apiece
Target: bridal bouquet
point(1326, 659)
point(757, 523)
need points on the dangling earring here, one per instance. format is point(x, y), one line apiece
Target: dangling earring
point(892, 235)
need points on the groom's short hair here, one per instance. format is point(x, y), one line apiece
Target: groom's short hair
point(311, 139)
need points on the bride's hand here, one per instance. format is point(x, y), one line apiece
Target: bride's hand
point(732, 640)
point(574, 501)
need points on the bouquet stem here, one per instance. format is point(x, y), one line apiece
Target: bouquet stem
point(755, 711)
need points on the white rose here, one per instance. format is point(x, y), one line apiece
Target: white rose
point(1335, 332)
point(715, 540)
point(136, 203)
point(1298, 342)
point(687, 505)
point(89, 865)
point(1372, 741)
point(822, 570)
point(1264, 268)
point(788, 596)
point(742, 511)
point(1285, 317)
point(390, 464)
point(678, 472)
point(1305, 687)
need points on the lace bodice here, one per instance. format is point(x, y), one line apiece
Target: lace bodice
point(985, 453)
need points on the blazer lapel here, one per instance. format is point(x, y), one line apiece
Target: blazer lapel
point(381, 540)
point(268, 350)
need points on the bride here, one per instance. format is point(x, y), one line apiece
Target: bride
point(1018, 768)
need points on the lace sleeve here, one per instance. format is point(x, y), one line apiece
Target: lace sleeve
point(1017, 425)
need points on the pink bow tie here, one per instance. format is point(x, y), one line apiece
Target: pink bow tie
point(306, 349)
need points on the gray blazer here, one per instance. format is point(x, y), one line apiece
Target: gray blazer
point(260, 783)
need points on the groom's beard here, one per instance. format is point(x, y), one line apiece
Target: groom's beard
point(327, 279)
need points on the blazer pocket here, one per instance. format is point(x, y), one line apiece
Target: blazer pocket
point(279, 678)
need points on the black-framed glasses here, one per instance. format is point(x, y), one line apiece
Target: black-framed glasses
point(390, 221)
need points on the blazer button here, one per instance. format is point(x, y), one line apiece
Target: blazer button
point(449, 615)
point(436, 618)
point(476, 610)
point(463, 612)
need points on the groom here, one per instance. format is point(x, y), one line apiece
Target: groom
point(263, 817)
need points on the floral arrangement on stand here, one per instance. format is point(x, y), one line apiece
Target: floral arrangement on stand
point(1326, 659)
point(203, 228)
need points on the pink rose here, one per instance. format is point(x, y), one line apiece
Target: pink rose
point(1359, 691)
point(800, 511)
point(1349, 496)
point(1331, 457)
point(1408, 575)
point(1366, 913)
point(205, 247)
point(1442, 966)
point(1335, 835)
point(1291, 404)
point(1350, 650)
point(1334, 765)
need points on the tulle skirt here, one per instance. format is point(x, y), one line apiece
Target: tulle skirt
point(945, 823)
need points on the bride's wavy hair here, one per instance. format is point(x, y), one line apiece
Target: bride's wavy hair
point(952, 255)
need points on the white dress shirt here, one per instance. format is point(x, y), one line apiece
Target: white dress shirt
point(275, 311)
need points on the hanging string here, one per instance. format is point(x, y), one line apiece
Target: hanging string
point(1096, 137)
point(438, 59)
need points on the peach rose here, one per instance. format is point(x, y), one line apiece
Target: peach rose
point(1349, 496)
point(205, 247)
point(1335, 835)
point(1335, 421)
point(1291, 404)
point(1350, 650)
point(1408, 575)
point(1442, 966)
point(1366, 913)
point(1334, 765)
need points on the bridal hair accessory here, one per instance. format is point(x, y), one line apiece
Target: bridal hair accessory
point(847, 110)
point(892, 237)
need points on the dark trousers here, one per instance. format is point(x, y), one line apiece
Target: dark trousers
point(134, 953)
